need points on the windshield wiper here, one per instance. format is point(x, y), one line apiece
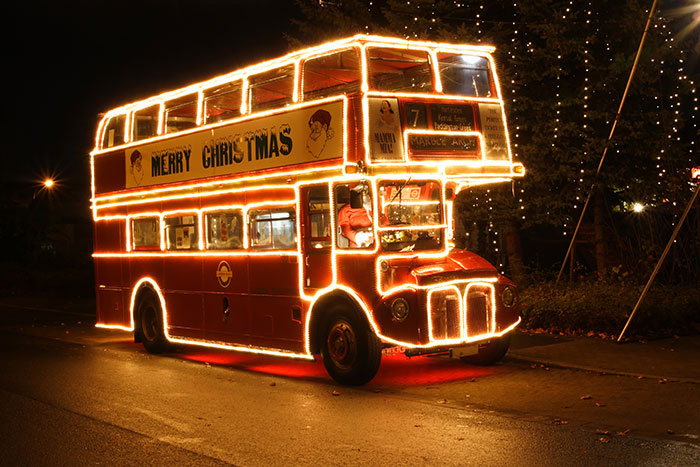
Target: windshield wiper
point(400, 190)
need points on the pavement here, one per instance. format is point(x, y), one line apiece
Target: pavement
point(670, 359)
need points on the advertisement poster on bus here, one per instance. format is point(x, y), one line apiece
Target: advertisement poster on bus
point(288, 138)
point(386, 143)
point(493, 130)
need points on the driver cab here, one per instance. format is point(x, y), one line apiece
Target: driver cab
point(354, 216)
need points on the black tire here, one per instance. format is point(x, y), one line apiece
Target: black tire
point(150, 324)
point(490, 352)
point(351, 351)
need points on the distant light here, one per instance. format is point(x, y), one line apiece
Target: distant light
point(638, 207)
point(49, 182)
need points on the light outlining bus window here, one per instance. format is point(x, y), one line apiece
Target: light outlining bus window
point(465, 75)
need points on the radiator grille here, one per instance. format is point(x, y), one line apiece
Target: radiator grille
point(479, 304)
point(445, 314)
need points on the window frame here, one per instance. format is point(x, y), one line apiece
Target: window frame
point(341, 88)
point(207, 229)
point(106, 129)
point(336, 213)
point(196, 244)
point(441, 53)
point(180, 103)
point(325, 242)
point(217, 92)
point(134, 122)
point(132, 246)
point(430, 69)
point(291, 210)
point(251, 85)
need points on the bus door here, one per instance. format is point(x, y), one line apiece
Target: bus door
point(273, 274)
point(316, 235)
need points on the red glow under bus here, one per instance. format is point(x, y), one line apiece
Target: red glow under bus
point(303, 206)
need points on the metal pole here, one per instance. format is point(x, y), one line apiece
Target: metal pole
point(661, 260)
point(612, 130)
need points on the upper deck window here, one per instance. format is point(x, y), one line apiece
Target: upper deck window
point(271, 89)
point(146, 122)
point(332, 74)
point(222, 102)
point(181, 113)
point(399, 70)
point(465, 75)
point(113, 134)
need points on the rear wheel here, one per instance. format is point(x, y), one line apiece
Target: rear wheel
point(351, 351)
point(150, 320)
point(490, 351)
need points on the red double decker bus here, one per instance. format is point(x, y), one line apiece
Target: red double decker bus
point(303, 206)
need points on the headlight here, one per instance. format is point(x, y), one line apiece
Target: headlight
point(508, 297)
point(399, 310)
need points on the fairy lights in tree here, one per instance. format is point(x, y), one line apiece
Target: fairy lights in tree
point(564, 66)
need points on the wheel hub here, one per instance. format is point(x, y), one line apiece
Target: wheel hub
point(341, 342)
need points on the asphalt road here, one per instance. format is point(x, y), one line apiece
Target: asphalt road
point(75, 395)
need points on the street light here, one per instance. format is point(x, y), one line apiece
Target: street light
point(638, 207)
point(48, 184)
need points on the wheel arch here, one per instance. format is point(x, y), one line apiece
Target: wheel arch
point(140, 289)
point(325, 301)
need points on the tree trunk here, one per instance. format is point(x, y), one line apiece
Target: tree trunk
point(514, 249)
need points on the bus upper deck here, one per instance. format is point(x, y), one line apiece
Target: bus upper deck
point(369, 104)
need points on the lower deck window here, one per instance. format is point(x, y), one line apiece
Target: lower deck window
point(181, 232)
point(225, 230)
point(273, 229)
point(145, 233)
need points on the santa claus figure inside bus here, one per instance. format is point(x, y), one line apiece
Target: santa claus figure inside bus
point(355, 219)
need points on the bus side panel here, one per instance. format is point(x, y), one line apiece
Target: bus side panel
point(109, 292)
point(139, 268)
point(226, 311)
point(109, 173)
point(275, 302)
point(182, 281)
point(108, 274)
point(355, 150)
point(357, 271)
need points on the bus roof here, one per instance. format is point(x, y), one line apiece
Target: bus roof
point(357, 40)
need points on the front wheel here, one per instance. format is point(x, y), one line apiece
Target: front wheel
point(351, 351)
point(150, 321)
point(490, 351)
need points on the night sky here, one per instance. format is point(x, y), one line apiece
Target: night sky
point(69, 61)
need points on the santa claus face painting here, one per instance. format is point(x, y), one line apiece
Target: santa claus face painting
point(320, 132)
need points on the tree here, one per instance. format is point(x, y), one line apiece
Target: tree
point(563, 67)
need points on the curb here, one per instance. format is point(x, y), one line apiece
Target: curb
point(573, 366)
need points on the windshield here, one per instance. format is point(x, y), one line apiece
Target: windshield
point(410, 215)
point(399, 70)
point(464, 75)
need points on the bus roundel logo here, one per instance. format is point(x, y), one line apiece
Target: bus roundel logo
point(224, 274)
